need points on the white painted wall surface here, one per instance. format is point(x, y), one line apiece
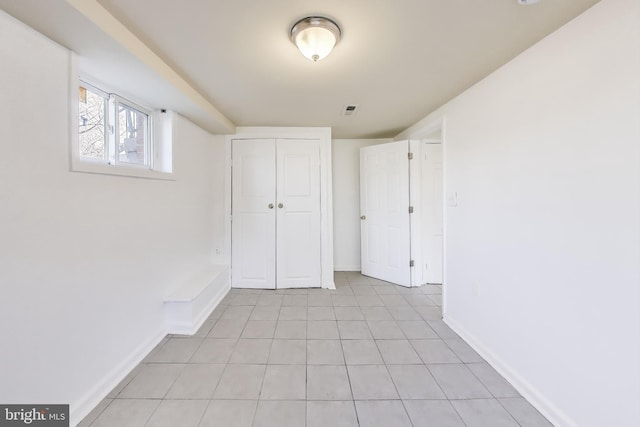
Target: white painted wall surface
point(85, 260)
point(346, 201)
point(217, 170)
point(544, 156)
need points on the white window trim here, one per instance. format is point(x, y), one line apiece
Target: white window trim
point(104, 167)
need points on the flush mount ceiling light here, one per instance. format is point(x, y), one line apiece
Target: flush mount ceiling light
point(315, 36)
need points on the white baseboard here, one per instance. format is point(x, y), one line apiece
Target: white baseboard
point(346, 268)
point(557, 417)
point(85, 405)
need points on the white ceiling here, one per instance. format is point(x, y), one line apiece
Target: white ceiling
point(399, 60)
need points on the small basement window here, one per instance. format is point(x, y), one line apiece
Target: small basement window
point(93, 124)
point(116, 136)
point(132, 128)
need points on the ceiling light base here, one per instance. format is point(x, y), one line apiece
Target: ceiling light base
point(315, 36)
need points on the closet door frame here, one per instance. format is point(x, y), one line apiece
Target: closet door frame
point(323, 135)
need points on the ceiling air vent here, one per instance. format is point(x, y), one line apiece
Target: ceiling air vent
point(349, 110)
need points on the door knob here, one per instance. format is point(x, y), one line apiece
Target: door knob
point(270, 205)
point(280, 205)
point(363, 217)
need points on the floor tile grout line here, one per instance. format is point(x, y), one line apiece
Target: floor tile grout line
point(458, 412)
point(184, 399)
point(407, 412)
point(353, 399)
point(206, 407)
point(99, 413)
point(146, 421)
point(483, 383)
point(508, 412)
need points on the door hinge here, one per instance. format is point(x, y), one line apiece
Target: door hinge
point(410, 209)
point(410, 156)
point(411, 263)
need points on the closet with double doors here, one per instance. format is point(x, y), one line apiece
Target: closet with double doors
point(276, 215)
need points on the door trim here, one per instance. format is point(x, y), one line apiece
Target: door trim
point(424, 130)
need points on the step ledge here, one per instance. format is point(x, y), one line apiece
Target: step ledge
point(188, 307)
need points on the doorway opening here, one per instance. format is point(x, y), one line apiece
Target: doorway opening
point(402, 210)
point(432, 215)
point(430, 241)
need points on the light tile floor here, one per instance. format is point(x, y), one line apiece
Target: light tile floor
point(366, 354)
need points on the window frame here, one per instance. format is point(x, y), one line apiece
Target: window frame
point(110, 165)
point(115, 134)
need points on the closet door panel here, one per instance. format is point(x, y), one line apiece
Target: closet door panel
point(253, 257)
point(298, 213)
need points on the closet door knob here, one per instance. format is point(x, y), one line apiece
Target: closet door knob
point(270, 205)
point(280, 205)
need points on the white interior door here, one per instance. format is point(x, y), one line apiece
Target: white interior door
point(433, 208)
point(298, 213)
point(253, 227)
point(384, 209)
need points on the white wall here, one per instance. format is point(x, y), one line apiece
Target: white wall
point(216, 167)
point(85, 259)
point(544, 156)
point(346, 201)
